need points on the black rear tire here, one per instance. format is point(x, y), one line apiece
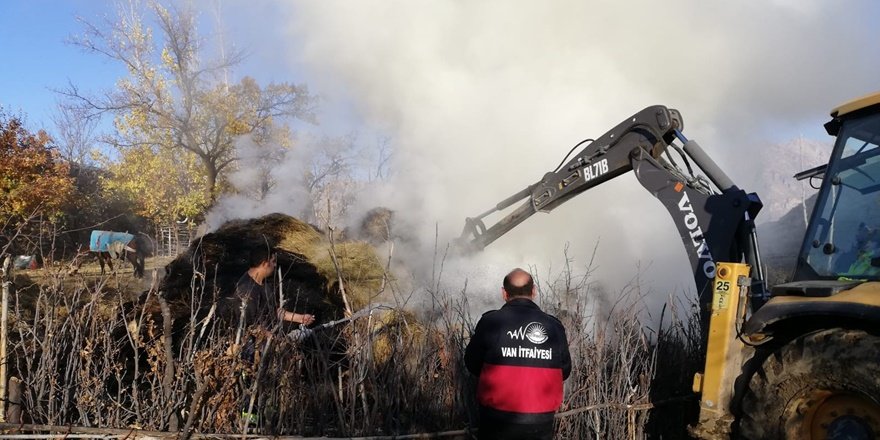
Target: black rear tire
point(822, 385)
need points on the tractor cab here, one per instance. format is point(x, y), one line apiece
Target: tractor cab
point(843, 238)
point(813, 372)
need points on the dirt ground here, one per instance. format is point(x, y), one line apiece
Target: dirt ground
point(120, 279)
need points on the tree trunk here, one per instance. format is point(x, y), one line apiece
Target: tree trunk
point(211, 173)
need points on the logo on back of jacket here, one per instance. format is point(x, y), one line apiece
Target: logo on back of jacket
point(534, 332)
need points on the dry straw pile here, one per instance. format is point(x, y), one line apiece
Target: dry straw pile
point(314, 271)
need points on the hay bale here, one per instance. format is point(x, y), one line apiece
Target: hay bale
point(274, 230)
point(376, 225)
point(213, 264)
point(217, 260)
point(398, 335)
point(360, 268)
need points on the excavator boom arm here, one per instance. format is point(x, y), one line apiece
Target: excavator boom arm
point(601, 160)
point(714, 223)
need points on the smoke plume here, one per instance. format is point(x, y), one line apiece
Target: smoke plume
point(482, 98)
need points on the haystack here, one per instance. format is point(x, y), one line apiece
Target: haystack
point(376, 225)
point(309, 277)
point(398, 335)
point(357, 265)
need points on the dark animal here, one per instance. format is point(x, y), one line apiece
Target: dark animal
point(109, 245)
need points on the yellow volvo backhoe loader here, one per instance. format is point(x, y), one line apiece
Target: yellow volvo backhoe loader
point(800, 360)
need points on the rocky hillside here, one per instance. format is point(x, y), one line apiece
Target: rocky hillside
point(788, 202)
point(777, 164)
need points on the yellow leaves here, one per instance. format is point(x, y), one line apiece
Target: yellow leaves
point(130, 123)
point(168, 60)
point(163, 183)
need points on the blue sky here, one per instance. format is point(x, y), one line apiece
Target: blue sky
point(37, 59)
point(34, 37)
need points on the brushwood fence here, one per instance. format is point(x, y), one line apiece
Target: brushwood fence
point(97, 365)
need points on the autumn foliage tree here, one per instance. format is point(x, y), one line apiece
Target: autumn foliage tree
point(178, 107)
point(161, 184)
point(34, 183)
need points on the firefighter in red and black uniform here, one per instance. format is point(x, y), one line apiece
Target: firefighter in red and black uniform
point(521, 357)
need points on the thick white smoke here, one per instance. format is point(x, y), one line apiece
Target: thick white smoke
point(482, 98)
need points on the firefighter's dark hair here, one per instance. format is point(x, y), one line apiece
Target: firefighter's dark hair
point(518, 291)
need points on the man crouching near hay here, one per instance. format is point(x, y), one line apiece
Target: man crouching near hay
point(259, 308)
point(521, 357)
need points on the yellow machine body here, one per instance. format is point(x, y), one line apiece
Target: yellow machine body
point(724, 351)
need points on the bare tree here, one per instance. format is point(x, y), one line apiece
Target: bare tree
point(74, 132)
point(330, 178)
point(384, 154)
point(257, 155)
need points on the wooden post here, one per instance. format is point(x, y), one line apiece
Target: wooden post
point(6, 277)
point(13, 411)
point(171, 245)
